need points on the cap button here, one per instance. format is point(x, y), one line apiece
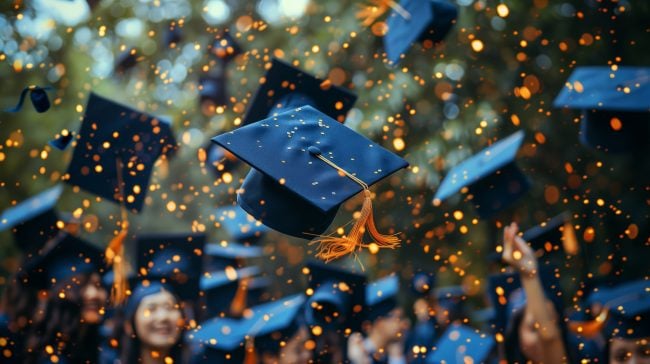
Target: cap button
point(314, 150)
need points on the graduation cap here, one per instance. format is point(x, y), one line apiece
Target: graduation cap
point(212, 89)
point(274, 323)
point(417, 21)
point(306, 165)
point(127, 60)
point(225, 47)
point(62, 140)
point(220, 288)
point(491, 176)
point(224, 254)
point(462, 344)
point(381, 297)
point(239, 224)
point(66, 257)
point(556, 235)
point(507, 296)
point(116, 143)
point(286, 88)
point(34, 221)
point(615, 105)
point(338, 297)
point(39, 98)
point(142, 287)
point(176, 257)
point(220, 340)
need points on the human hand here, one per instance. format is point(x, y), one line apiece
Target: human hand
point(517, 253)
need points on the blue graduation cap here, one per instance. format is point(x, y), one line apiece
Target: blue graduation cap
point(417, 21)
point(224, 254)
point(127, 60)
point(274, 323)
point(491, 176)
point(239, 224)
point(62, 140)
point(554, 236)
point(34, 221)
point(298, 158)
point(220, 288)
point(381, 297)
point(117, 142)
point(38, 96)
point(286, 88)
point(614, 104)
point(176, 257)
point(225, 47)
point(212, 89)
point(141, 287)
point(220, 340)
point(462, 344)
point(338, 298)
point(66, 257)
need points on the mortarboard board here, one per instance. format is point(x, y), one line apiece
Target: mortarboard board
point(555, 235)
point(286, 88)
point(212, 89)
point(113, 134)
point(461, 344)
point(65, 258)
point(491, 176)
point(62, 140)
point(127, 60)
point(423, 282)
point(507, 297)
point(224, 254)
point(37, 95)
point(225, 47)
point(239, 224)
point(274, 323)
point(294, 187)
point(176, 257)
point(417, 21)
point(338, 297)
point(381, 297)
point(220, 288)
point(33, 221)
point(614, 104)
point(220, 340)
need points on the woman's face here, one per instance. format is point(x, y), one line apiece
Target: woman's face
point(93, 299)
point(629, 351)
point(158, 321)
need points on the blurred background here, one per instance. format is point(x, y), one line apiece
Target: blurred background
point(497, 72)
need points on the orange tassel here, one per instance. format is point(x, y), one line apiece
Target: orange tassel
point(238, 303)
point(590, 328)
point(115, 257)
point(251, 354)
point(333, 247)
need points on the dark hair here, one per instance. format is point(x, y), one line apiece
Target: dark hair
point(59, 326)
point(131, 344)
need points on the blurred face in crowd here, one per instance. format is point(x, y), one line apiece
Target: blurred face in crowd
point(158, 321)
point(530, 340)
point(629, 351)
point(93, 297)
point(392, 326)
point(296, 351)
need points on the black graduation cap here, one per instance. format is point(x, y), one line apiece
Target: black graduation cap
point(337, 299)
point(220, 288)
point(381, 297)
point(615, 104)
point(507, 296)
point(112, 134)
point(286, 88)
point(462, 344)
point(240, 225)
point(62, 140)
point(274, 323)
point(555, 235)
point(224, 254)
point(34, 221)
point(491, 176)
point(39, 98)
point(220, 340)
point(225, 47)
point(212, 89)
point(65, 258)
point(417, 21)
point(176, 257)
point(127, 60)
point(293, 187)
